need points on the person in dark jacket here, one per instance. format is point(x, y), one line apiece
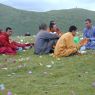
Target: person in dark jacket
point(44, 40)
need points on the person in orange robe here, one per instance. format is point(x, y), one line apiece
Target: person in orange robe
point(7, 47)
point(65, 45)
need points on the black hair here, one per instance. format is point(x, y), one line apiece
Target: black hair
point(52, 23)
point(8, 28)
point(72, 28)
point(89, 20)
point(43, 26)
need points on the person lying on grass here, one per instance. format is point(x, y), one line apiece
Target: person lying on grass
point(8, 46)
point(44, 41)
point(65, 45)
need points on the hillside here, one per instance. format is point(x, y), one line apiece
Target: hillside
point(28, 21)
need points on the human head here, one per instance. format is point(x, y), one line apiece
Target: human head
point(88, 23)
point(73, 30)
point(52, 26)
point(43, 26)
point(9, 31)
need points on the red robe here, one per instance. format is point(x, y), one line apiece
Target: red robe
point(9, 48)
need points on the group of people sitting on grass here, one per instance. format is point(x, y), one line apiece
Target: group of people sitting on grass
point(51, 40)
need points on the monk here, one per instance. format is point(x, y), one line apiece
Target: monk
point(7, 46)
point(54, 29)
point(65, 45)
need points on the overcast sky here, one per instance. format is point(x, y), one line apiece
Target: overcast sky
point(46, 5)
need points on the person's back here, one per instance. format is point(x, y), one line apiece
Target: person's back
point(43, 39)
point(40, 42)
point(65, 45)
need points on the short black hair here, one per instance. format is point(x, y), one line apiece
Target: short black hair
point(8, 28)
point(72, 28)
point(52, 23)
point(43, 26)
point(89, 20)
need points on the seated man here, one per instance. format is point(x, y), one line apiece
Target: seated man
point(7, 47)
point(89, 32)
point(44, 40)
point(54, 29)
point(65, 45)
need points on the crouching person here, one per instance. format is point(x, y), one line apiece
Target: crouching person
point(44, 41)
point(65, 45)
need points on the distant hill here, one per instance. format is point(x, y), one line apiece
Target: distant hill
point(28, 21)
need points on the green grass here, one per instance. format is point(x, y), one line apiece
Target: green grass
point(67, 76)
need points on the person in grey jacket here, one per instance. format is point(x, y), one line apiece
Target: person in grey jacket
point(44, 40)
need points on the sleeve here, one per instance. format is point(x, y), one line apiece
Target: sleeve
point(93, 37)
point(5, 42)
point(94, 32)
point(48, 35)
point(84, 33)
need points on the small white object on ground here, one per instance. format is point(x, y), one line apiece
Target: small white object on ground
point(93, 84)
point(82, 52)
point(30, 72)
point(49, 66)
point(52, 62)
point(2, 87)
point(83, 48)
point(5, 68)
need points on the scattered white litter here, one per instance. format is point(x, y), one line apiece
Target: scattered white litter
point(49, 66)
point(52, 62)
point(30, 72)
point(9, 75)
point(58, 58)
point(5, 68)
point(41, 64)
point(93, 84)
point(2, 87)
point(82, 52)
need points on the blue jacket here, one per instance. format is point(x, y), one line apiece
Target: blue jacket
point(90, 33)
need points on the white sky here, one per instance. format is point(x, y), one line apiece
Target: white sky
point(45, 5)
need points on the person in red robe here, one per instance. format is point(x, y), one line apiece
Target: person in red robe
point(7, 47)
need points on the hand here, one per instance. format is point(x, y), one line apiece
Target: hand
point(84, 41)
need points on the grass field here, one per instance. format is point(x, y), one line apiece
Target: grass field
point(29, 74)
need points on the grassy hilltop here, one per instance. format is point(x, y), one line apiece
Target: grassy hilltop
point(28, 21)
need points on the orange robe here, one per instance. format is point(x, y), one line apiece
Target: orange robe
point(66, 46)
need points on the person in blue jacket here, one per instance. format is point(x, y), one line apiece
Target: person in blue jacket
point(89, 32)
